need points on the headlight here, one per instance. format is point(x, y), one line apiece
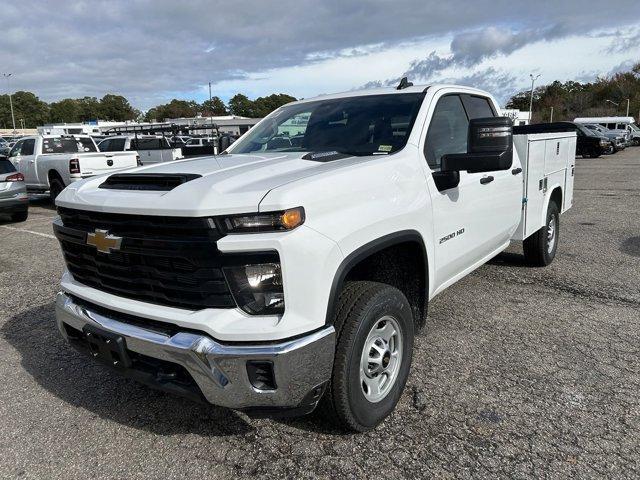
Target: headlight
point(257, 289)
point(264, 222)
point(604, 143)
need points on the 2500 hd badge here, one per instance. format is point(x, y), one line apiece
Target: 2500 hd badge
point(451, 235)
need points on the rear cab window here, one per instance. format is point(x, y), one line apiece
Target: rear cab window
point(68, 145)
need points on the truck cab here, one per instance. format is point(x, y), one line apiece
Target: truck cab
point(280, 276)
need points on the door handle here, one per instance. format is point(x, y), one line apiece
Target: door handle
point(485, 180)
point(516, 171)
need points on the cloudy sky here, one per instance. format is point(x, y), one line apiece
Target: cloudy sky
point(152, 51)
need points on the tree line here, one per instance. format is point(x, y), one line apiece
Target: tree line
point(606, 96)
point(32, 112)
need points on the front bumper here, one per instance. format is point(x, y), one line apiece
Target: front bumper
point(219, 372)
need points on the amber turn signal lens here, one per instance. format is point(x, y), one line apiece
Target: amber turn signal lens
point(292, 218)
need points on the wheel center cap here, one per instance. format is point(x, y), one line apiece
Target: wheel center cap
point(386, 358)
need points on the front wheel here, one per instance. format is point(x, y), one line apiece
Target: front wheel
point(540, 248)
point(375, 330)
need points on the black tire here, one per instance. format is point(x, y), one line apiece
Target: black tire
point(361, 307)
point(594, 154)
point(55, 188)
point(537, 251)
point(20, 216)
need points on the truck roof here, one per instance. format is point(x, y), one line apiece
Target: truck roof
point(394, 91)
point(605, 120)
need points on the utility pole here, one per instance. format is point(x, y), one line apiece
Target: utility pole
point(22, 123)
point(210, 105)
point(551, 119)
point(628, 107)
point(533, 79)
point(13, 119)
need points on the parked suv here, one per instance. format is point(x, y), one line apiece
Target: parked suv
point(13, 192)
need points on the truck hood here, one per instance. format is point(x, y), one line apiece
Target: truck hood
point(229, 184)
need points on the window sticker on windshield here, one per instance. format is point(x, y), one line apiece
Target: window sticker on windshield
point(385, 148)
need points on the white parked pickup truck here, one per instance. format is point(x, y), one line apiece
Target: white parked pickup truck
point(275, 278)
point(52, 162)
point(150, 148)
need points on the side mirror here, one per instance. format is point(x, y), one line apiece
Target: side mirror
point(489, 147)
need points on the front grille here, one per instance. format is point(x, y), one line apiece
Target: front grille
point(162, 260)
point(140, 226)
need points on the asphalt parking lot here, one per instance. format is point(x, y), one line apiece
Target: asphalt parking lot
point(520, 373)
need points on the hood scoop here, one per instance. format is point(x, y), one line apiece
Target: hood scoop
point(156, 182)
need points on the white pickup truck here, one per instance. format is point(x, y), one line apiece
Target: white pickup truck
point(273, 278)
point(150, 148)
point(52, 162)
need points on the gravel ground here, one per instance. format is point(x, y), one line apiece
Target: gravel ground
point(520, 373)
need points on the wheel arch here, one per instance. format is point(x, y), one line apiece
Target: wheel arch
point(376, 248)
point(54, 174)
point(554, 193)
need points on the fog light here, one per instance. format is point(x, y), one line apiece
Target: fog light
point(257, 289)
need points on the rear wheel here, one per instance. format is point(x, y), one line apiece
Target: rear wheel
point(20, 217)
point(374, 344)
point(55, 188)
point(540, 248)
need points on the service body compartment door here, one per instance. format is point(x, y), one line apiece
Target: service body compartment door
point(569, 175)
point(534, 186)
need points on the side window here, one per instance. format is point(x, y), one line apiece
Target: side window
point(28, 146)
point(15, 151)
point(611, 126)
point(447, 131)
point(117, 144)
point(104, 145)
point(477, 107)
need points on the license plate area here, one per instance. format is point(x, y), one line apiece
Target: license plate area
point(106, 347)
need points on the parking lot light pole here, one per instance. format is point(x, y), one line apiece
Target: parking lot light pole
point(210, 106)
point(628, 107)
point(533, 79)
point(551, 118)
point(13, 119)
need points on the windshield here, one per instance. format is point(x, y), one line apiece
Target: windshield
point(367, 125)
point(634, 127)
point(586, 131)
point(68, 145)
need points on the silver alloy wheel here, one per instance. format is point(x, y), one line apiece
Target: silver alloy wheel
point(381, 359)
point(552, 228)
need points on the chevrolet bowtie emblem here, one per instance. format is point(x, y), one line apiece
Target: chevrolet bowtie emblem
point(104, 242)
